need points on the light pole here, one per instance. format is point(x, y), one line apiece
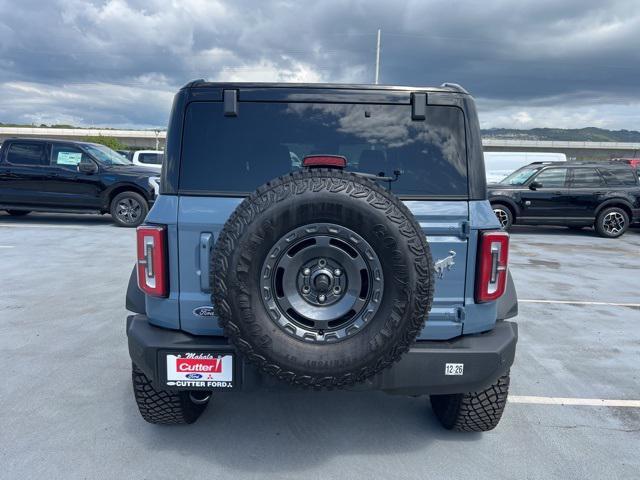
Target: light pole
point(378, 58)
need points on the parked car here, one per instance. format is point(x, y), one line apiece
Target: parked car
point(604, 195)
point(255, 272)
point(148, 158)
point(75, 177)
point(499, 165)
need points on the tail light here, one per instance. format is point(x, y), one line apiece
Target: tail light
point(493, 256)
point(153, 273)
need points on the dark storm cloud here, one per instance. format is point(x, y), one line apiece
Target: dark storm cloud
point(529, 63)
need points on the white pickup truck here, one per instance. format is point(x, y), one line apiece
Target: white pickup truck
point(148, 158)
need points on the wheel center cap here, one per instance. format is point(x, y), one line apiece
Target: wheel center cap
point(322, 282)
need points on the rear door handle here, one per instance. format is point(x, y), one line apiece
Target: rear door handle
point(204, 255)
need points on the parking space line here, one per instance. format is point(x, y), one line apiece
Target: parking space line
point(585, 402)
point(578, 302)
point(45, 225)
point(7, 246)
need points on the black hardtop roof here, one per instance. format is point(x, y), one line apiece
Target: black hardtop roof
point(444, 88)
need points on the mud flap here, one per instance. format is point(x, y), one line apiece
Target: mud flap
point(135, 298)
point(508, 303)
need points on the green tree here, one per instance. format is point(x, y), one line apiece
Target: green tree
point(110, 142)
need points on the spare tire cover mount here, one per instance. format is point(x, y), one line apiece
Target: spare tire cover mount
point(322, 282)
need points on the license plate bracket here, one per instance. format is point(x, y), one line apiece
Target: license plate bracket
point(198, 370)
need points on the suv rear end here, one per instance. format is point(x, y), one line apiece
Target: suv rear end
point(418, 150)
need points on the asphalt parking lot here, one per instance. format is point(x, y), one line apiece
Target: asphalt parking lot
point(68, 410)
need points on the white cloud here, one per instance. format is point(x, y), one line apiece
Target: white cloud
point(92, 104)
point(269, 71)
point(522, 118)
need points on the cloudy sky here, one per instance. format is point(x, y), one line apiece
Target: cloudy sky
point(117, 63)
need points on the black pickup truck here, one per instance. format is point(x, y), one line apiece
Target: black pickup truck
point(45, 175)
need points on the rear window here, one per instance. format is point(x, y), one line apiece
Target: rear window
point(237, 154)
point(150, 158)
point(619, 176)
point(27, 154)
point(586, 177)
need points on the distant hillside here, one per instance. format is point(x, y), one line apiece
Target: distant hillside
point(62, 125)
point(42, 125)
point(589, 134)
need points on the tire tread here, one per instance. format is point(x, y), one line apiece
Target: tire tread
point(316, 180)
point(160, 406)
point(473, 412)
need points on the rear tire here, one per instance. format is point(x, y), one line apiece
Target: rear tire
point(472, 412)
point(612, 222)
point(166, 407)
point(504, 215)
point(129, 209)
point(18, 213)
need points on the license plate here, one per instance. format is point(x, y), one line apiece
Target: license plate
point(454, 369)
point(194, 370)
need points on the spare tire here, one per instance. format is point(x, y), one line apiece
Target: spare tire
point(322, 278)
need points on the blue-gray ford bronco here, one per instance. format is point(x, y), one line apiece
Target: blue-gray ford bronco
point(321, 237)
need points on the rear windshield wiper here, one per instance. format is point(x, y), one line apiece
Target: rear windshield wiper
point(381, 177)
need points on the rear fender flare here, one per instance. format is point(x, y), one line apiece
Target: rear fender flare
point(612, 202)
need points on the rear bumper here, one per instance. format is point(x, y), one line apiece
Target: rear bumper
point(485, 357)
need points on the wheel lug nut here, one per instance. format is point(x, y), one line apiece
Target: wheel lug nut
point(321, 298)
point(336, 289)
point(306, 289)
point(337, 272)
point(306, 272)
point(322, 262)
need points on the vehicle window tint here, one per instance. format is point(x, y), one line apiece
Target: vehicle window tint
point(552, 177)
point(150, 158)
point(237, 154)
point(586, 177)
point(105, 155)
point(519, 177)
point(27, 154)
point(125, 153)
point(619, 177)
point(66, 156)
